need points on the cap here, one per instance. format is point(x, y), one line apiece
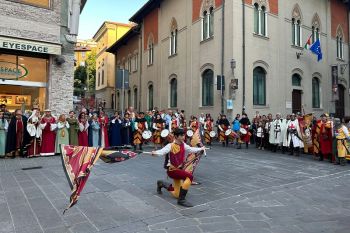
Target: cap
point(179, 131)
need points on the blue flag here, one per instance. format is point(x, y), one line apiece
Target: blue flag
point(316, 49)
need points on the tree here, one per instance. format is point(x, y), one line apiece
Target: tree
point(80, 81)
point(91, 70)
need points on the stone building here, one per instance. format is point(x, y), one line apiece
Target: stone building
point(106, 35)
point(257, 46)
point(37, 41)
point(82, 50)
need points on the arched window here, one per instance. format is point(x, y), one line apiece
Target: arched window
point(150, 97)
point(103, 77)
point(173, 93)
point(315, 28)
point(296, 80)
point(211, 21)
point(340, 43)
point(208, 88)
point(315, 93)
point(150, 50)
point(260, 19)
point(208, 23)
point(296, 27)
point(135, 98)
point(259, 86)
point(256, 18)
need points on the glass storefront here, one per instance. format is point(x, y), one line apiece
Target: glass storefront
point(23, 81)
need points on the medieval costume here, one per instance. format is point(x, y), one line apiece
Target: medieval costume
point(174, 164)
point(342, 142)
point(126, 132)
point(284, 134)
point(224, 125)
point(17, 138)
point(293, 138)
point(158, 126)
point(48, 126)
point(62, 136)
point(95, 131)
point(276, 133)
point(140, 126)
point(115, 127)
point(83, 137)
point(260, 134)
point(267, 133)
point(245, 124)
point(208, 127)
point(324, 138)
point(35, 132)
point(73, 129)
point(103, 120)
point(3, 133)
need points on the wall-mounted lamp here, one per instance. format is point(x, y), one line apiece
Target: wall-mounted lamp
point(298, 54)
point(233, 65)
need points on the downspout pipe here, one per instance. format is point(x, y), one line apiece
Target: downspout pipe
point(222, 55)
point(140, 69)
point(243, 58)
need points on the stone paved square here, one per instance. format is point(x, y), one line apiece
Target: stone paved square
point(242, 191)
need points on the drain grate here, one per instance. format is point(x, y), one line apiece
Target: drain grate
point(32, 168)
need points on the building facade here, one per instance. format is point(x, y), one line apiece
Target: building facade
point(82, 50)
point(107, 35)
point(258, 47)
point(37, 41)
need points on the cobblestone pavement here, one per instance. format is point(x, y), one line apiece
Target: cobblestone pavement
point(243, 191)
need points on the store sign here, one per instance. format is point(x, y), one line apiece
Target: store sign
point(10, 70)
point(29, 46)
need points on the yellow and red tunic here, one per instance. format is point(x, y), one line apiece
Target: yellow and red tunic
point(141, 126)
point(209, 128)
point(342, 144)
point(157, 139)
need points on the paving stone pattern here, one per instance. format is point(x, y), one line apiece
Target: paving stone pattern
point(241, 191)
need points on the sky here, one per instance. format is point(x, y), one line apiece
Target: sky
point(96, 12)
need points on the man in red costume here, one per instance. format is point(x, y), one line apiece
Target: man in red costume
point(48, 126)
point(103, 120)
point(175, 167)
point(325, 138)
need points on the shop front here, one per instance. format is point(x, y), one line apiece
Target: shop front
point(24, 74)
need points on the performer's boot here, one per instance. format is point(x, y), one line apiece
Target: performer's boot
point(246, 145)
point(162, 184)
point(330, 158)
point(239, 146)
point(342, 161)
point(182, 198)
point(291, 151)
point(223, 144)
point(141, 147)
point(320, 158)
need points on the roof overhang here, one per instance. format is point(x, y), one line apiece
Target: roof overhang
point(82, 4)
point(145, 10)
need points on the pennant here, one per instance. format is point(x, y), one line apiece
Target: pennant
point(308, 43)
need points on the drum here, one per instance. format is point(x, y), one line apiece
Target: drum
point(146, 134)
point(189, 133)
point(228, 132)
point(243, 131)
point(212, 134)
point(164, 133)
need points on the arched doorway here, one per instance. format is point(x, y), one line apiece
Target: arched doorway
point(340, 103)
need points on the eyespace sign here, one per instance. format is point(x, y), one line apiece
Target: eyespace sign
point(29, 46)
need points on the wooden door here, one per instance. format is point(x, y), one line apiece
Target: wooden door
point(296, 101)
point(339, 104)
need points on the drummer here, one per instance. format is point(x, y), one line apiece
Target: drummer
point(224, 125)
point(245, 134)
point(208, 127)
point(158, 126)
point(140, 126)
point(174, 124)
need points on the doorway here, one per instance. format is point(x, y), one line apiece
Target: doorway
point(296, 101)
point(339, 104)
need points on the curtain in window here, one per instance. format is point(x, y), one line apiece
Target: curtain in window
point(173, 93)
point(315, 93)
point(208, 88)
point(259, 86)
